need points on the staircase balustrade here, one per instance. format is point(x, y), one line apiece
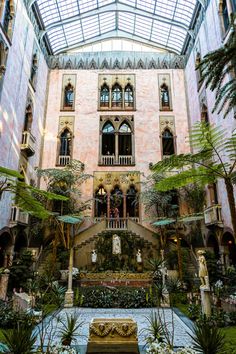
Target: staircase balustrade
point(117, 224)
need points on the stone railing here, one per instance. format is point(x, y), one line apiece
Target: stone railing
point(28, 143)
point(117, 224)
point(18, 216)
point(63, 160)
point(212, 215)
point(123, 160)
point(108, 160)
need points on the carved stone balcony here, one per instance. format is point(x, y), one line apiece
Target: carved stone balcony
point(18, 216)
point(212, 215)
point(111, 160)
point(64, 160)
point(28, 143)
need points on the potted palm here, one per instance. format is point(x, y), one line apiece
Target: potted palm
point(69, 329)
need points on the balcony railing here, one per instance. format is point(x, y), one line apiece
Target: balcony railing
point(123, 160)
point(212, 215)
point(28, 143)
point(64, 160)
point(18, 216)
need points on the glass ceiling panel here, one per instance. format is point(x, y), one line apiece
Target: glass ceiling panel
point(162, 23)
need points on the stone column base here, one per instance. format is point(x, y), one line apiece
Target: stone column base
point(206, 301)
point(69, 298)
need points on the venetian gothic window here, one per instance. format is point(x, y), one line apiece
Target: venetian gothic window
point(104, 96)
point(65, 143)
point(108, 139)
point(204, 114)
point(165, 97)
point(225, 15)
point(129, 96)
point(34, 69)
point(28, 118)
point(69, 97)
point(168, 146)
point(116, 95)
point(125, 139)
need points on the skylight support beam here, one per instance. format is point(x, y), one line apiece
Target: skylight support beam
point(115, 34)
point(116, 7)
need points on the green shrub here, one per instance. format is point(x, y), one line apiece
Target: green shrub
point(104, 297)
point(9, 317)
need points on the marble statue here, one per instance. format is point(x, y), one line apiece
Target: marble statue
point(116, 244)
point(203, 272)
point(139, 256)
point(94, 256)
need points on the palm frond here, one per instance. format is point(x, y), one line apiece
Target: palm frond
point(200, 176)
point(6, 172)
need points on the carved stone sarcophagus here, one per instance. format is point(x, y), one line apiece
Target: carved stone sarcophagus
point(109, 335)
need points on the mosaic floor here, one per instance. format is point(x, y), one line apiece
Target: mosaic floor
point(181, 330)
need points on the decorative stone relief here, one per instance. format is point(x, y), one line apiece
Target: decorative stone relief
point(66, 122)
point(167, 122)
point(112, 179)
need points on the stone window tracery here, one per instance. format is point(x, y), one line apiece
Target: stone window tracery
point(68, 93)
point(116, 140)
point(65, 140)
point(226, 8)
point(165, 92)
point(34, 68)
point(168, 147)
point(116, 92)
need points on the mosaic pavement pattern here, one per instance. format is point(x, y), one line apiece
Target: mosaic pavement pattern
point(181, 337)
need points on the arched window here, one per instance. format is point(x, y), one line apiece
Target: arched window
point(28, 118)
point(116, 95)
point(198, 70)
point(131, 203)
point(69, 96)
point(104, 96)
point(65, 143)
point(129, 96)
point(7, 16)
point(108, 139)
point(101, 202)
point(168, 147)
point(34, 69)
point(125, 139)
point(165, 97)
point(225, 15)
point(204, 114)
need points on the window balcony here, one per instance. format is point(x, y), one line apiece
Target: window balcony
point(212, 215)
point(18, 216)
point(28, 143)
point(111, 160)
point(64, 160)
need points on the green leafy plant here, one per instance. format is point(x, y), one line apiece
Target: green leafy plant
point(154, 330)
point(27, 197)
point(218, 73)
point(20, 339)
point(204, 166)
point(69, 330)
point(208, 338)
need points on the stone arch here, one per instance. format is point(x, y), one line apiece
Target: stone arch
point(229, 248)
point(213, 243)
point(6, 244)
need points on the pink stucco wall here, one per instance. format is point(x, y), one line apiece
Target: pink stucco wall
point(86, 129)
point(13, 101)
point(209, 38)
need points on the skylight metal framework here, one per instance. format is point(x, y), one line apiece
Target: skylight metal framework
point(74, 23)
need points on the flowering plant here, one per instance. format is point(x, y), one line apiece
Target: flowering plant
point(163, 348)
point(218, 287)
point(60, 349)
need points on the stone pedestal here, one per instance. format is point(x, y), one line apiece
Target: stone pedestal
point(107, 335)
point(206, 300)
point(69, 298)
point(165, 302)
point(4, 284)
point(139, 267)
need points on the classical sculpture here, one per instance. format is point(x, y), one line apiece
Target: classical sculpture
point(203, 272)
point(116, 244)
point(139, 256)
point(94, 256)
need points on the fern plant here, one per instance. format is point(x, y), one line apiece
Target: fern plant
point(27, 197)
point(214, 158)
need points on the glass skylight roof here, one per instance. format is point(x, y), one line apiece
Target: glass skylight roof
point(73, 23)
